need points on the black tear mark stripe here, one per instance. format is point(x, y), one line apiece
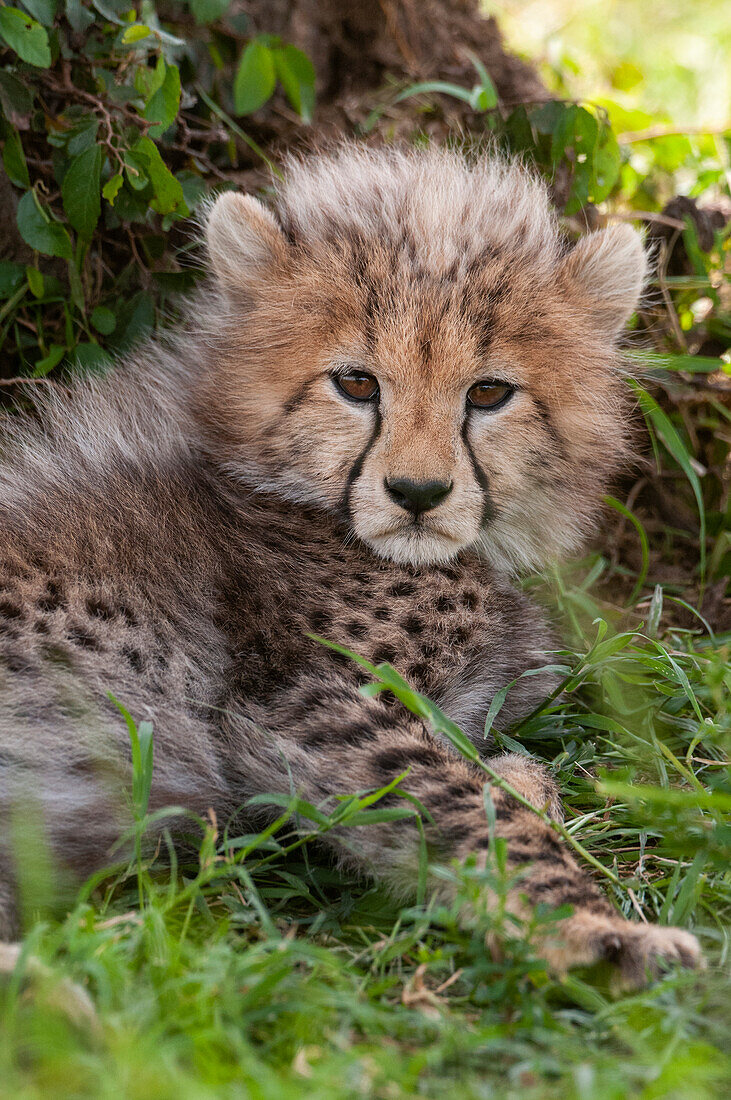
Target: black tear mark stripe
point(548, 424)
point(488, 508)
point(357, 468)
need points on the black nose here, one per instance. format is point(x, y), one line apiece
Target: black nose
point(417, 496)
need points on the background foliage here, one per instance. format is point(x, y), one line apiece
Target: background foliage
point(253, 970)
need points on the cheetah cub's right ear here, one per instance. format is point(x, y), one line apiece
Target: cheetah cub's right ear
point(606, 272)
point(245, 242)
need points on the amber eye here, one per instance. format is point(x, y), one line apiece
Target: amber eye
point(357, 385)
point(488, 394)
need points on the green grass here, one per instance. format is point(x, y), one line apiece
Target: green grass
point(258, 971)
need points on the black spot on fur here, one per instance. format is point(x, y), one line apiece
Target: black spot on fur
point(357, 629)
point(135, 658)
point(357, 733)
point(449, 571)
point(9, 610)
point(394, 760)
point(470, 600)
point(82, 638)
point(444, 604)
point(458, 831)
point(384, 653)
point(418, 672)
point(320, 621)
point(506, 809)
point(129, 615)
point(40, 626)
point(100, 609)
point(53, 599)
point(382, 614)
point(14, 662)
point(402, 590)
point(412, 624)
point(460, 792)
point(529, 854)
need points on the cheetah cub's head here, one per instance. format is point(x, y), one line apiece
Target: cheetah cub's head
point(406, 340)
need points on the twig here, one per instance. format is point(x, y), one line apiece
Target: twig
point(661, 273)
point(647, 216)
point(19, 381)
point(669, 131)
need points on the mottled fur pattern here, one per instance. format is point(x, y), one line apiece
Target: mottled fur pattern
point(173, 533)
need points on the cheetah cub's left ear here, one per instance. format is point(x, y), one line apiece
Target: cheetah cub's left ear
point(245, 242)
point(606, 272)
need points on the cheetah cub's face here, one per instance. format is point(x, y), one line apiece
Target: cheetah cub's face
point(407, 341)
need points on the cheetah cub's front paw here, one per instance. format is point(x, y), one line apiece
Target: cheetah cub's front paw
point(638, 952)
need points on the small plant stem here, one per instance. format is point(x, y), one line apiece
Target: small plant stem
point(220, 113)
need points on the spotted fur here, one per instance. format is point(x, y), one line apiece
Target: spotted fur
point(173, 534)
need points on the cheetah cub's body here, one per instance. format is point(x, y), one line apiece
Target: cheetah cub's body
point(399, 388)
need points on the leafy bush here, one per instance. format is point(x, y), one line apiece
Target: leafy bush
point(114, 125)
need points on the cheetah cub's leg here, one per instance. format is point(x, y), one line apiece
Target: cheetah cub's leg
point(595, 931)
point(327, 739)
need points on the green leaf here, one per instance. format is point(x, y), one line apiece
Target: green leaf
point(293, 804)
point(42, 10)
point(78, 16)
point(297, 75)
point(27, 37)
point(14, 160)
point(207, 11)
point(11, 276)
point(644, 545)
point(496, 706)
point(691, 364)
point(35, 281)
point(15, 100)
point(377, 817)
point(136, 34)
point(108, 12)
point(103, 320)
point(485, 95)
point(44, 366)
point(255, 78)
point(441, 86)
point(83, 137)
point(135, 319)
point(90, 357)
point(39, 231)
point(667, 432)
point(607, 165)
point(655, 611)
point(168, 190)
point(81, 191)
point(110, 190)
point(194, 188)
point(147, 81)
point(162, 108)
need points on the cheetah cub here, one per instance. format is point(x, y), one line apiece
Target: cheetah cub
point(399, 388)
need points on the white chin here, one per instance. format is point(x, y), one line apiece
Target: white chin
point(415, 546)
